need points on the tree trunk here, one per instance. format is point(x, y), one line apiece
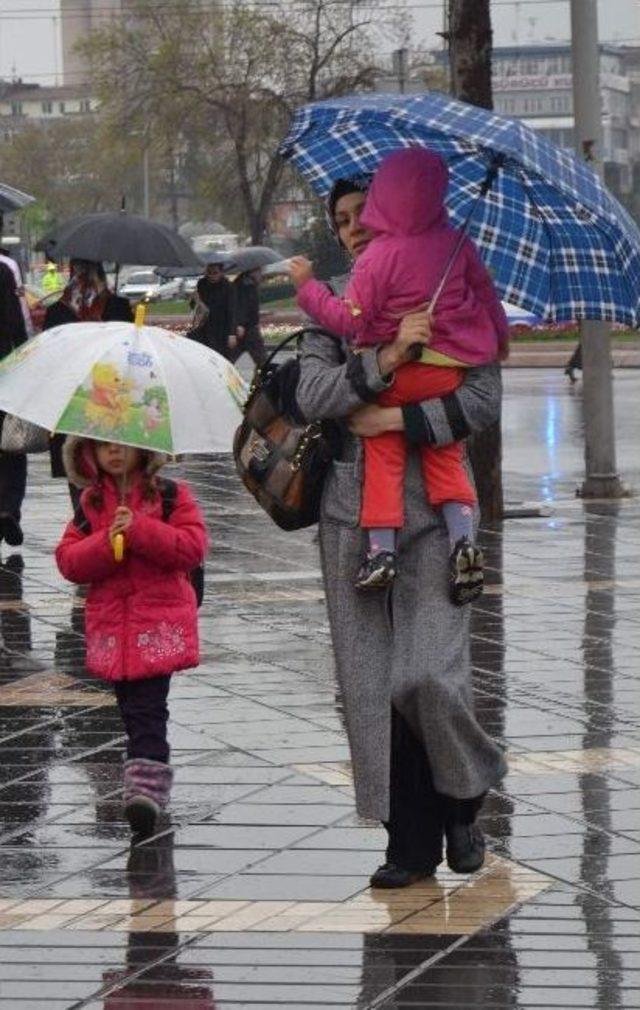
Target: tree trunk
point(470, 43)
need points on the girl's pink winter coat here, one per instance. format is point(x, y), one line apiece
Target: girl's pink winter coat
point(141, 615)
point(401, 268)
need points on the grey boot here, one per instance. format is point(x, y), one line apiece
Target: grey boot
point(147, 787)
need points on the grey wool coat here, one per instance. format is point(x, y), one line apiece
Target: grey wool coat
point(408, 647)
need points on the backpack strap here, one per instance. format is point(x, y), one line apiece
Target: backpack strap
point(168, 490)
point(81, 522)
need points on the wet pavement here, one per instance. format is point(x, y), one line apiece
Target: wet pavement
point(254, 892)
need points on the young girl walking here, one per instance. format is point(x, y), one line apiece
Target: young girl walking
point(134, 540)
point(400, 272)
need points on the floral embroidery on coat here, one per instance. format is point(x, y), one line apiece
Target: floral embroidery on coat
point(100, 650)
point(166, 641)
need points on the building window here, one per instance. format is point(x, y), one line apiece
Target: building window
point(85, 105)
point(61, 108)
point(47, 108)
point(16, 108)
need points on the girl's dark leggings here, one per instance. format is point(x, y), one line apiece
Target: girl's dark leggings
point(144, 710)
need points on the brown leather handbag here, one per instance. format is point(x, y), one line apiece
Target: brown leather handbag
point(280, 457)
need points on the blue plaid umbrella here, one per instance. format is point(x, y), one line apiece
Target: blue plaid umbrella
point(555, 240)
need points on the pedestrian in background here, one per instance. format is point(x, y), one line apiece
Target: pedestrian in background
point(574, 364)
point(215, 295)
point(86, 298)
point(246, 304)
point(13, 466)
point(141, 612)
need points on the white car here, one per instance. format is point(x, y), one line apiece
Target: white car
point(145, 284)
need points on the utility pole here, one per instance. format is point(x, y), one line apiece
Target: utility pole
point(601, 478)
point(470, 42)
point(400, 68)
point(145, 177)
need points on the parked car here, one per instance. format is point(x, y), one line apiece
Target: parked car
point(147, 285)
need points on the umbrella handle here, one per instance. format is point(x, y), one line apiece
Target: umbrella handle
point(141, 313)
point(118, 547)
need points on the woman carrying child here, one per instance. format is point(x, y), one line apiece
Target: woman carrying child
point(141, 613)
point(422, 763)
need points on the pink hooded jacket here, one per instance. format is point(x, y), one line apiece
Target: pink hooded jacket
point(141, 617)
point(402, 266)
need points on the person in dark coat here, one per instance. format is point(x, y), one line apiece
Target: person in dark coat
point(247, 336)
point(85, 298)
point(13, 466)
point(216, 295)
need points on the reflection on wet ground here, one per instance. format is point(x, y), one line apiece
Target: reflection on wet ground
point(254, 892)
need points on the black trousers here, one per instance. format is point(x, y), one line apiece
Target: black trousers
point(13, 483)
point(418, 814)
point(253, 344)
point(144, 710)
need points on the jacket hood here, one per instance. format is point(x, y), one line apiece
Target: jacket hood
point(407, 193)
point(80, 462)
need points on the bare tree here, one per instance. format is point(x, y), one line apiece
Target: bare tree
point(470, 44)
point(231, 76)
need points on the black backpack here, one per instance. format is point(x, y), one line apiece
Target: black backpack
point(168, 490)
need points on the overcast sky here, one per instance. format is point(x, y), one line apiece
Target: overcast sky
point(29, 28)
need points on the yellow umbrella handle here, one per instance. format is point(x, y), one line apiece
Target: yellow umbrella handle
point(141, 312)
point(118, 547)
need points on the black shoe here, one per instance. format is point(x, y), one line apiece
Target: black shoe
point(389, 876)
point(11, 530)
point(466, 576)
point(570, 373)
point(465, 847)
point(142, 814)
point(379, 570)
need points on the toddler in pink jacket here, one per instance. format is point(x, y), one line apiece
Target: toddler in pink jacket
point(141, 620)
point(399, 272)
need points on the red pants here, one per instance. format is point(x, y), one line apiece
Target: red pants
point(385, 456)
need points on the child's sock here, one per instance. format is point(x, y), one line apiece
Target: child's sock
point(459, 520)
point(382, 539)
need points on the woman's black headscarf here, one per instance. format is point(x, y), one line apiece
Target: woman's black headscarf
point(340, 188)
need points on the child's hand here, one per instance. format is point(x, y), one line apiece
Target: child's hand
point(300, 270)
point(121, 521)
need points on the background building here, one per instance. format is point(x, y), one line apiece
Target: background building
point(78, 18)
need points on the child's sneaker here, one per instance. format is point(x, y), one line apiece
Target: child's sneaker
point(466, 576)
point(379, 570)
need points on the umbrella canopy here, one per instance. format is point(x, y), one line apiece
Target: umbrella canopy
point(555, 240)
point(119, 382)
point(13, 199)
point(119, 238)
point(239, 261)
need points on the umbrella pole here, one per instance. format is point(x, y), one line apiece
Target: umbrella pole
point(118, 542)
point(115, 288)
point(487, 183)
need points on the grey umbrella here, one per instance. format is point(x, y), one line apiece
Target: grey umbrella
point(250, 258)
point(13, 199)
point(119, 238)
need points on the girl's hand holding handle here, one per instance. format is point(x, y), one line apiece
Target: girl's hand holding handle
point(300, 270)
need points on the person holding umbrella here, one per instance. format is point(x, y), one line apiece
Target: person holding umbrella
point(141, 617)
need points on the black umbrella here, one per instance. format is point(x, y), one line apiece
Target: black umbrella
point(13, 199)
point(252, 257)
point(118, 238)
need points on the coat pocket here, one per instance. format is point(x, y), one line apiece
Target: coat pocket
point(342, 496)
